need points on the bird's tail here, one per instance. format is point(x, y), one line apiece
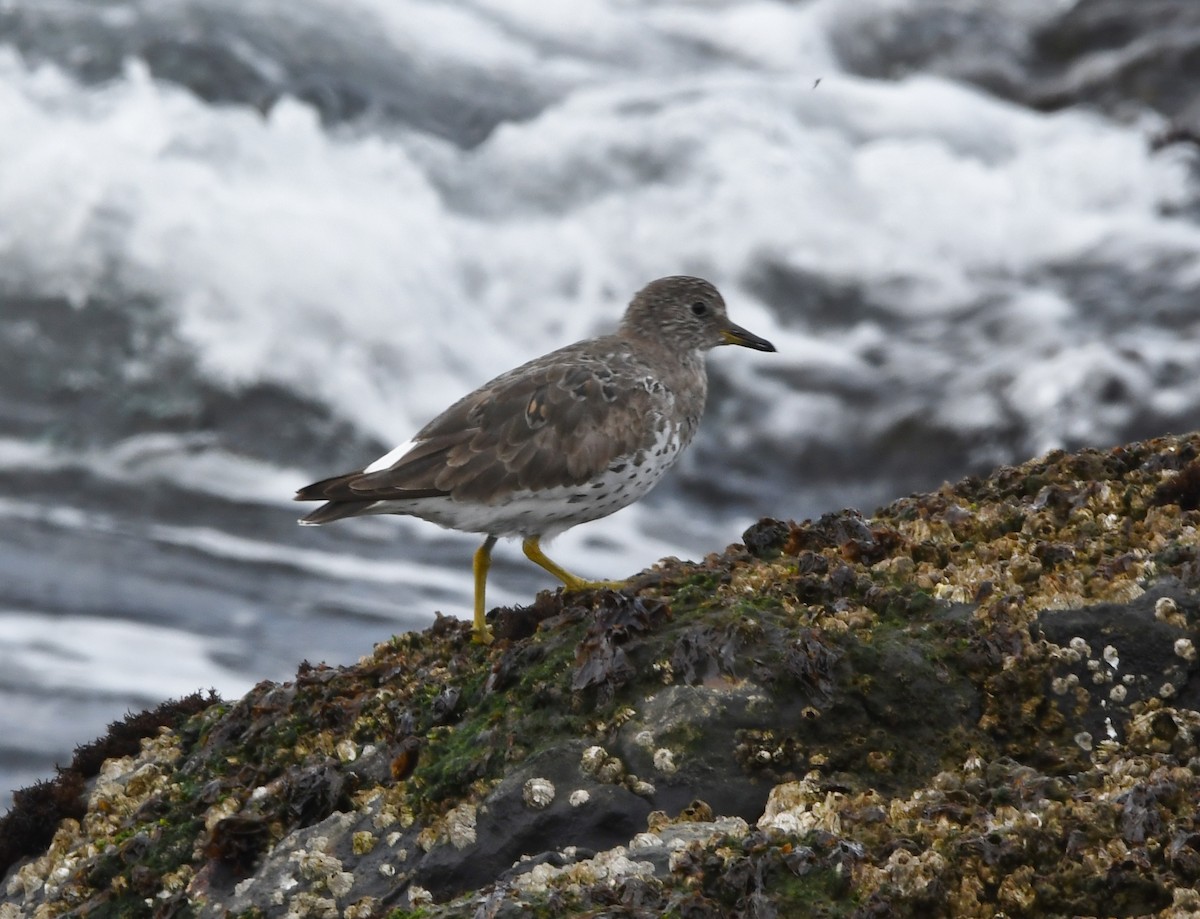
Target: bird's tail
point(339, 500)
point(334, 510)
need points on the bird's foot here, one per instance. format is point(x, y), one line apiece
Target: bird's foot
point(482, 636)
point(571, 582)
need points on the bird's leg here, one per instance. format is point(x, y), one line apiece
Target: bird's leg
point(533, 551)
point(483, 561)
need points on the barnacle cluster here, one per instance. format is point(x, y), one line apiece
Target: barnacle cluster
point(977, 701)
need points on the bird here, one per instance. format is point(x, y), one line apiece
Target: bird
point(564, 439)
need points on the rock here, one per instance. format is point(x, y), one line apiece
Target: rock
point(1107, 53)
point(974, 701)
point(1118, 57)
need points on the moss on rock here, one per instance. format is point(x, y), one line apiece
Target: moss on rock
point(978, 700)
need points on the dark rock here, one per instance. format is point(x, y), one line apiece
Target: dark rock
point(979, 700)
point(766, 538)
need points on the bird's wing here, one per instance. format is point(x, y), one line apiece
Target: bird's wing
point(548, 424)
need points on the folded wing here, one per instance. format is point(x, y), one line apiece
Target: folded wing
point(545, 425)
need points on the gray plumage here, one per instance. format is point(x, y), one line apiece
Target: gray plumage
point(566, 438)
point(559, 421)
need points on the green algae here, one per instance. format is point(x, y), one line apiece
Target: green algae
point(824, 893)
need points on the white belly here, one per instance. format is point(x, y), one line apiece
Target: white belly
point(547, 512)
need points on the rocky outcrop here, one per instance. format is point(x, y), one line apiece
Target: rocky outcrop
point(1121, 58)
point(976, 701)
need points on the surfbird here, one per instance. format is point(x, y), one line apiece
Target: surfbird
point(569, 437)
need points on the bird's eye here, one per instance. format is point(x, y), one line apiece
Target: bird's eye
point(699, 308)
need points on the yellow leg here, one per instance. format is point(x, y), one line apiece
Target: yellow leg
point(533, 551)
point(483, 561)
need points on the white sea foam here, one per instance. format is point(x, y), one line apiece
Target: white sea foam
point(111, 656)
point(345, 267)
point(195, 462)
point(219, 544)
point(348, 266)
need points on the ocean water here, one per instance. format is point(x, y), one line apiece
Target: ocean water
point(245, 246)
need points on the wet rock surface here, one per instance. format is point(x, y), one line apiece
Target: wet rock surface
point(978, 700)
point(1109, 53)
point(1117, 57)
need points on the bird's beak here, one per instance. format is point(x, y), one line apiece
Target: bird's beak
point(736, 335)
